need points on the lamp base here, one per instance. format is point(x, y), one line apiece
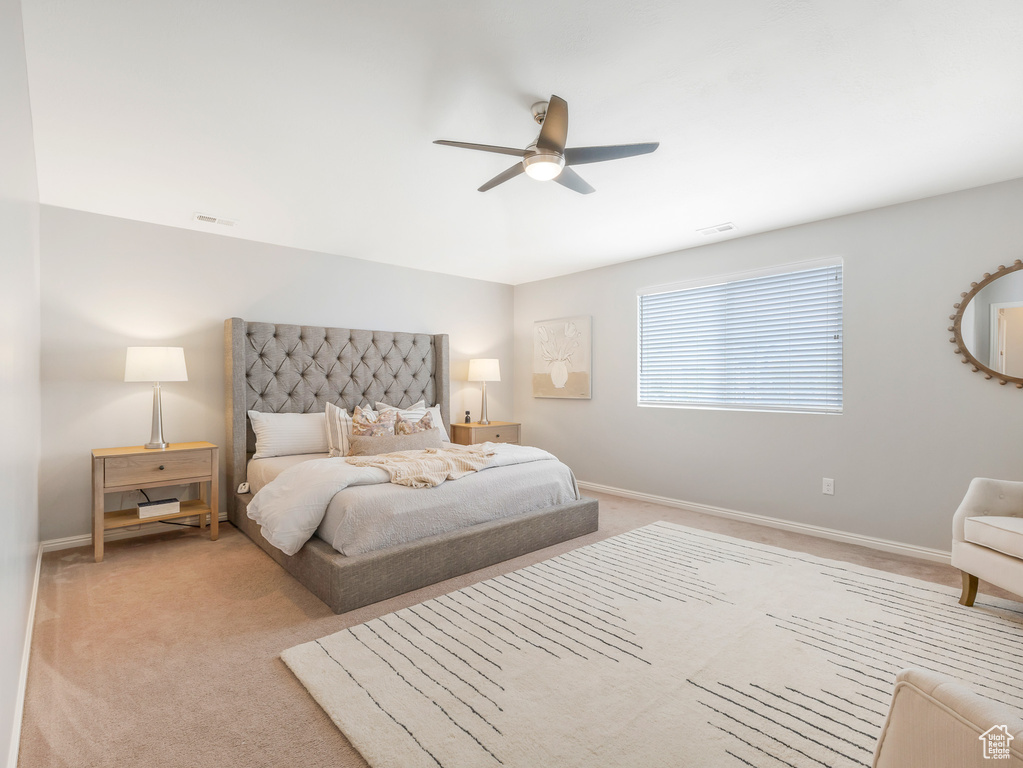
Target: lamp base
point(156, 440)
point(483, 407)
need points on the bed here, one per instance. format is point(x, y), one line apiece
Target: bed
point(276, 368)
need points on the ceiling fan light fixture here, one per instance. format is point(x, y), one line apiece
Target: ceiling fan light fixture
point(543, 166)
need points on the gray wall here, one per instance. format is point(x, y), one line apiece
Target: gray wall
point(109, 283)
point(917, 425)
point(19, 362)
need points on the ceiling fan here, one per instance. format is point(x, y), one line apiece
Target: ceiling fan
point(547, 158)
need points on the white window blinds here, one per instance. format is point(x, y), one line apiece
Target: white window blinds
point(771, 342)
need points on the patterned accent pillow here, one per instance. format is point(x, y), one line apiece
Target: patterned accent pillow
point(366, 421)
point(417, 410)
point(403, 425)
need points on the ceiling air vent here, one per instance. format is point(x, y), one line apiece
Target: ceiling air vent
point(718, 229)
point(206, 218)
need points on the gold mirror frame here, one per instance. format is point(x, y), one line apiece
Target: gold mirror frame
point(957, 321)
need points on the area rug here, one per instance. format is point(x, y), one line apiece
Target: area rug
point(664, 646)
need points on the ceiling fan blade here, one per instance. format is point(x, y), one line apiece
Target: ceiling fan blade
point(575, 182)
point(482, 147)
point(554, 131)
point(583, 155)
point(502, 177)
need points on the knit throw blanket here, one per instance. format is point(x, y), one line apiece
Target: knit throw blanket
point(430, 467)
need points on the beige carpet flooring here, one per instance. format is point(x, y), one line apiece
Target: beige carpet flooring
point(167, 653)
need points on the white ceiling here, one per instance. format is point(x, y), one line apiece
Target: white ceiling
point(310, 122)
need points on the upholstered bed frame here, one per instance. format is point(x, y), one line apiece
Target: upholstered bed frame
point(298, 369)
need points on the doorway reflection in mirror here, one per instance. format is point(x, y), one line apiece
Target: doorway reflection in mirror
point(992, 325)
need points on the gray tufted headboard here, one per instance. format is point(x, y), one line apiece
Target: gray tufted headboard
point(299, 369)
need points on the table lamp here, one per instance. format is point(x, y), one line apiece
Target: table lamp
point(155, 364)
point(484, 369)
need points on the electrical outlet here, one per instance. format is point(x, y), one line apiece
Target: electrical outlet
point(829, 487)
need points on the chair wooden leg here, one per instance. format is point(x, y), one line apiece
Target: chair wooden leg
point(970, 583)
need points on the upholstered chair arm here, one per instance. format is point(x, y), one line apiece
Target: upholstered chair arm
point(998, 498)
point(935, 722)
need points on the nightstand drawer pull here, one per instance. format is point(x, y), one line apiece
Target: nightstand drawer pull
point(161, 466)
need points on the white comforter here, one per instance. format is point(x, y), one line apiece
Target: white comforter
point(290, 509)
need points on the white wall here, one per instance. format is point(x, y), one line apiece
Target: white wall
point(108, 283)
point(19, 365)
point(916, 427)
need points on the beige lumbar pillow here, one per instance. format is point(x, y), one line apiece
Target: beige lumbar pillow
point(373, 445)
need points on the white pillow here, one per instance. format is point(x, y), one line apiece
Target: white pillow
point(339, 430)
point(287, 434)
point(417, 411)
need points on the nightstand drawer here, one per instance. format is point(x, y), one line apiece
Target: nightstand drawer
point(157, 467)
point(505, 433)
point(494, 432)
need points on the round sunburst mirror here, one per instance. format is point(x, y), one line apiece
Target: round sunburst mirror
point(987, 327)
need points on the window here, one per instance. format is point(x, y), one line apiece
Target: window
point(768, 341)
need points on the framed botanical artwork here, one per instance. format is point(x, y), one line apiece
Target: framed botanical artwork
point(561, 357)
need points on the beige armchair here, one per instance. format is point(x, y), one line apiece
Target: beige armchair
point(987, 536)
point(934, 722)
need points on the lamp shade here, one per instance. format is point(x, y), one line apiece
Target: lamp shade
point(155, 364)
point(485, 369)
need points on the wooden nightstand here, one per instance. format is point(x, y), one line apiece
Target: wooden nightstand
point(494, 432)
point(115, 470)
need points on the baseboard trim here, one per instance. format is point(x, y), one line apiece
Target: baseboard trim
point(26, 653)
point(922, 553)
point(144, 529)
